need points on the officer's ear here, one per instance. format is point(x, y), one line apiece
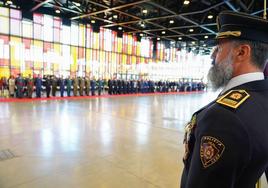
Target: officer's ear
point(243, 52)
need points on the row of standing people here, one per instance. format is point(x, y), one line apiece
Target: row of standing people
point(21, 87)
point(84, 86)
point(117, 86)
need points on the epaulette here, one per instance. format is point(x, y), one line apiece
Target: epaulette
point(233, 98)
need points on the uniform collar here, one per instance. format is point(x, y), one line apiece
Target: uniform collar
point(242, 79)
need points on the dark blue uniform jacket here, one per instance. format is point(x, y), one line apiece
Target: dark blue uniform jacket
point(227, 147)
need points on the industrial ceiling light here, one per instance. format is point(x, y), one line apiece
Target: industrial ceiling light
point(163, 32)
point(57, 11)
point(206, 37)
point(9, 2)
point(191, 30)
point(186, 2)
point(210, 16)
point(119, 28)
point(93, 21)
point(142, 24)
point(171, 21)
point(180, 38)
point(115, 16)
point(144, 11)
point(158, 38)
point(193, 42)
point(141, 34)
point(204, 45)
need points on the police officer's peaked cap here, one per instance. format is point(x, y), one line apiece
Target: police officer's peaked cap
point(241, 26)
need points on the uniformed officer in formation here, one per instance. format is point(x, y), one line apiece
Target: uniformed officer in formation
point(68, 83)
point(81, 86)
point(30, 86)
point(61, 83)
point(87, 84)
point(100, 86)
point(226, 142)
point(20, 83)
point(93, 86)
point(38, 86)
point(54, 82)
point(75, 86)
point(47, 83)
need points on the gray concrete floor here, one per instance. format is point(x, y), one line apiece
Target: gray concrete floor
point(96, 143)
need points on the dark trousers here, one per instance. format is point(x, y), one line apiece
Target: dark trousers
point(68, 92)
point(62, 92)
point(48, 91)
point(38, 92)
point(54, 90)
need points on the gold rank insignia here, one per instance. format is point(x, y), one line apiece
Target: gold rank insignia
point(211, 150)
point(234, 98)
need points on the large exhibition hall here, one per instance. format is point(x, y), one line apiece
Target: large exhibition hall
point(133, 94)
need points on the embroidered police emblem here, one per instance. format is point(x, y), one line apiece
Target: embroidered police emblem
point(211, 150)
point(234, 98)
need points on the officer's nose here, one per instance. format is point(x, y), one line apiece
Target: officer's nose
point(213, 55)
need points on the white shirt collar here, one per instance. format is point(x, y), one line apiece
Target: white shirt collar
point(241, 79)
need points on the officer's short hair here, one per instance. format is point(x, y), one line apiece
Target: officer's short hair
point(259, 55)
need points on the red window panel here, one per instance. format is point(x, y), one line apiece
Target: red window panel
point(38, 18)
point(57, 22)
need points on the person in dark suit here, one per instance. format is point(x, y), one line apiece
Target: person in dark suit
point(226, 143)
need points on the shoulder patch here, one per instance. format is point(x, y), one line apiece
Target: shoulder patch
point(211, 150)
point(234, 98)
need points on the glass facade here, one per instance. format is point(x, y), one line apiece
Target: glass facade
point(46, 46)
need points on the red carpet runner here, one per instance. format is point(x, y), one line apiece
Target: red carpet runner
point(92, 97)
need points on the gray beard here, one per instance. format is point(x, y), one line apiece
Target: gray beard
point(221, 73)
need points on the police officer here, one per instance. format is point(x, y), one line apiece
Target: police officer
point(100, 86)
point(81, 86)
point(20, 83)
point(93, 86)
point(110, 87)
point(38, 86)
point(30, 86)
point(54, 81)
point(75, 85)
point(62, 86)
point(226, 143)
point(87, 86)
point(68, 83)
point(47, 83)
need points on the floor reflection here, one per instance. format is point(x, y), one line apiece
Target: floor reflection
point(96, 142)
